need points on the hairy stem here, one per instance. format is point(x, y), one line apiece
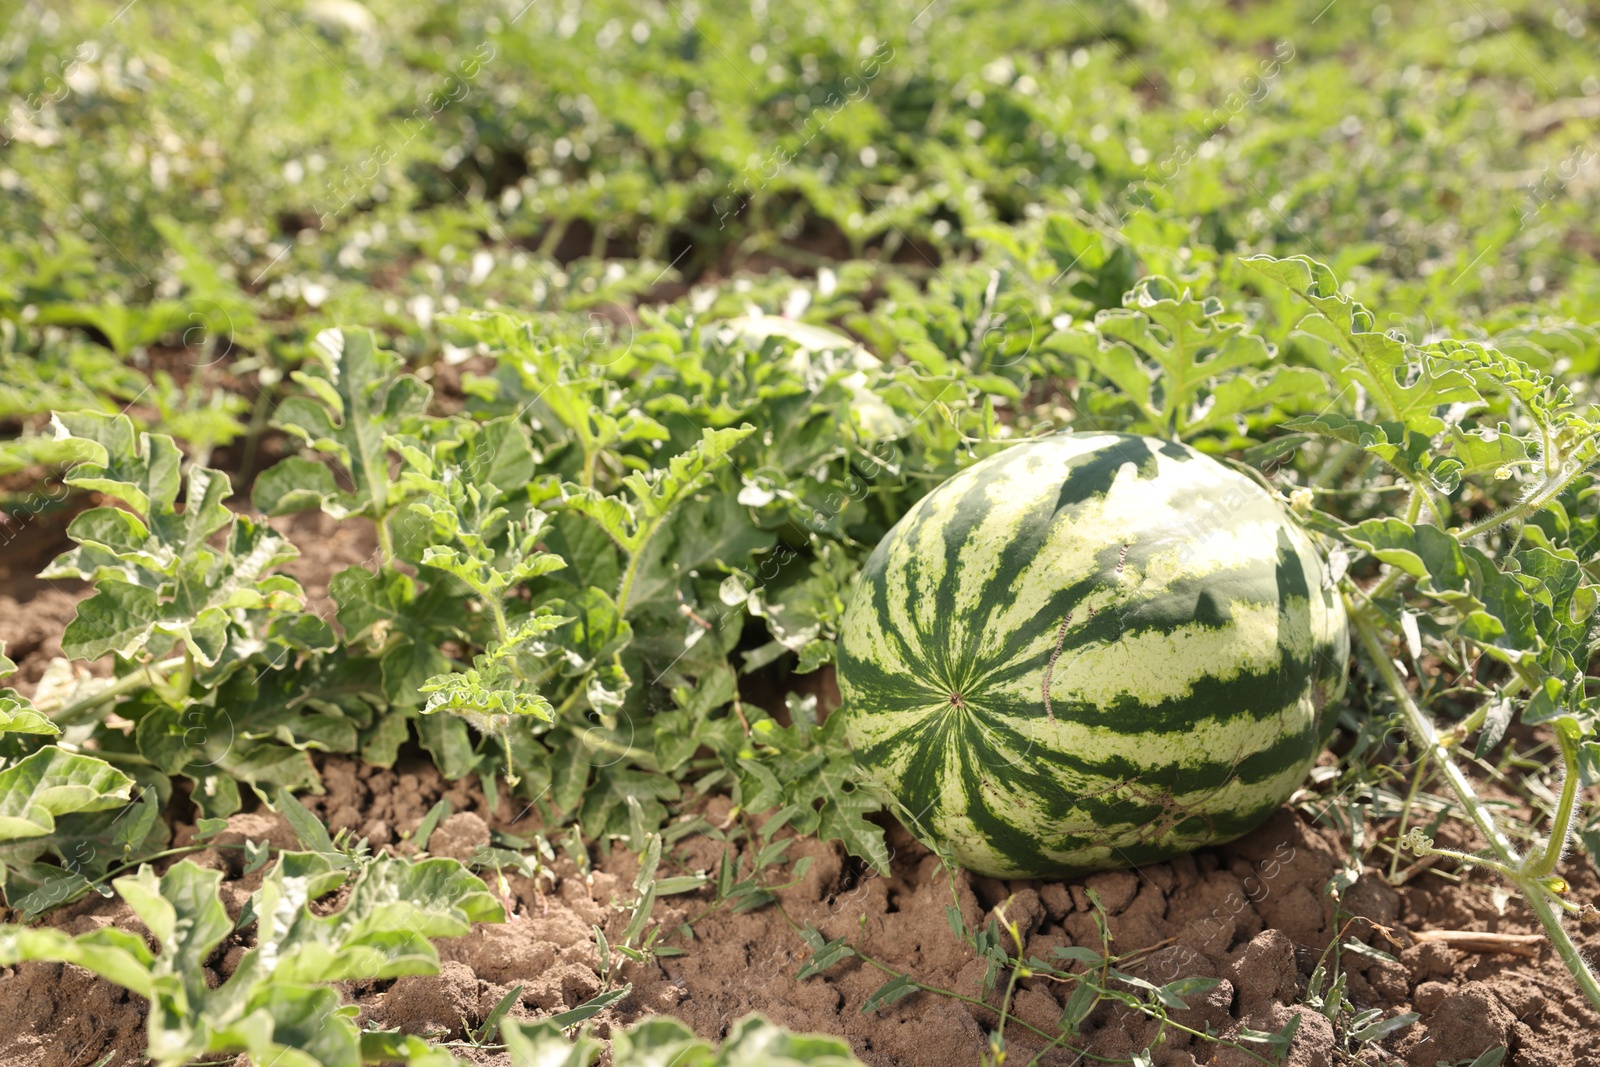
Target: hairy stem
point(1561, 825)
point(1542, 907)
point(1426, 737)
point(502, 631)
point(589, 458)
point(597, 743)
point(1414, 504)
point(641, 541)
point(1386, 584)
point(385, 539)
point(1541, 495)
point(1471, 860)
point(625, 587)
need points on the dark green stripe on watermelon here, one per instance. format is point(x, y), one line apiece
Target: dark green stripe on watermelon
point(980, 600)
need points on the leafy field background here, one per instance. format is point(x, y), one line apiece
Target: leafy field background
point(524, 386)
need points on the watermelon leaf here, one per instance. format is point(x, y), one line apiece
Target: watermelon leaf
point(276, 1006)
point(357, 398)
point(631, 523)
point(1411, 454)
point(462, 485)
point(158, 577)
point(17, 715)
point(565, 392)
point(51, 782)
point(1185, 369)
point(1405, 383)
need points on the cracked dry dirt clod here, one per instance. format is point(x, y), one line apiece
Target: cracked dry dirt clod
point(1251, 913)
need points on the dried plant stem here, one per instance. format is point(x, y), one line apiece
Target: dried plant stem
point(1481, 941)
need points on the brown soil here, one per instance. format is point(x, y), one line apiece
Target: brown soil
point(326, 547)
point(31, 631)
point(1254, 914)
point(33, 611)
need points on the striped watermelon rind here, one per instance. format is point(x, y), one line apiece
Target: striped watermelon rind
point(1090, 650)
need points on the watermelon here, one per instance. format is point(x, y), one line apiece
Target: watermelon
point(1090, 650)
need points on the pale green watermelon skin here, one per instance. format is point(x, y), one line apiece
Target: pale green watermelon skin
point(1193, 643)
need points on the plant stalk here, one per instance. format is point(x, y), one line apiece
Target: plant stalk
point(148, 676)
point(625, 587)
point(385, 539)
point(502, 630)
point(1426, 737)
point(1386, 584)
point(1542, 494)
point(1561, 825)
point(1414, 504)
point(183, 681)
point(1405, 812)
